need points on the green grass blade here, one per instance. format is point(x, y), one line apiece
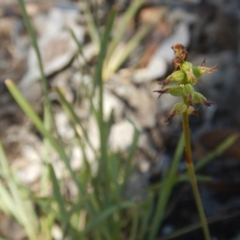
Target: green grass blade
point(6, 173)
point(118, 58)
point(46, 155)
point(185, 178)
point(132, 150)
point(28, 110)
point(147, 211)
point(74, 118)
point(183, 230)
point(35, 45)
point(114, 170)
point(166, 190)
point(91, 26)
point(47, 104)
point(103, 169)
point(5, 170)
point(221, 148)
point(75, 124)
point(58, 196)
point(26, 107)
point(80, 50)
point(130, 13)
point(104, 45)
point(135, 222)
point(7, 204)
point(11, 201)
point(106, 214)
point(109, 123)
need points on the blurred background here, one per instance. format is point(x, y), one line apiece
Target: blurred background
point(140, 56)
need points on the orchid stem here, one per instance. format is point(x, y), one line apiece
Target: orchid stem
point(191, 172)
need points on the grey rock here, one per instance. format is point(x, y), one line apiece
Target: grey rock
point(57, 50)
point(121, 136)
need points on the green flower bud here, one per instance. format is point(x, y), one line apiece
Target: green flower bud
point(176, 76)
point(200, 70)
point(188, 89)
point(179, 108)
point(187, 65)
point(187, 68)
point(199, 98)
point(196, 72)
point(176, 91)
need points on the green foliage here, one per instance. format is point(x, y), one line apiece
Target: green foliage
point(100, 210)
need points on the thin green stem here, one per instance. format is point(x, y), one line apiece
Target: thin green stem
point(191, 172)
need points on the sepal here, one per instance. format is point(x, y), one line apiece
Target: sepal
point(176, 76)
point(187, 68)
point(177, 109)
point(199, 98)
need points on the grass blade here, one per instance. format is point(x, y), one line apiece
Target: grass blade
point(221, 148)
point(26, 107)
point(122, 27)
point(145, 217)
point(11, 199)
point(91, 26)
point(166, 190)
point(74, 118)
point(107, 213)
point(124, 51)
point(103, 170)
point(58, 196)
point(36, 48)
point(132, 151)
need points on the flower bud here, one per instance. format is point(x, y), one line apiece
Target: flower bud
point(187, 67)
point(188, 89)
point(176, 76)
point(176, 91)
point(199, 98)
point(196, 72)
point(200, 70)
point(177, 109)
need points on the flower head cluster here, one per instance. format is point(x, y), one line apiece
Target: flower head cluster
point(186, 76)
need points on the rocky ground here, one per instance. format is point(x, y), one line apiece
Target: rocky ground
point(209, 29)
